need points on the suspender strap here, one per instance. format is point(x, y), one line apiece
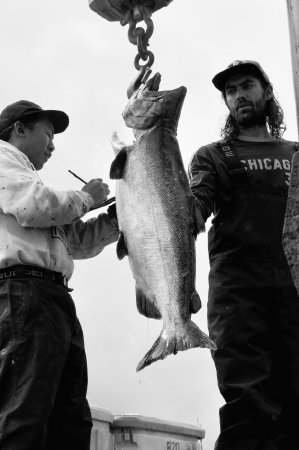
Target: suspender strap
point(235, 167)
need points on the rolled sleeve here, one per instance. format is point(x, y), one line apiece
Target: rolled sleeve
point(88, 239)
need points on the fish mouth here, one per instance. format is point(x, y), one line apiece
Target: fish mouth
point(153, 83)
point(142, 81)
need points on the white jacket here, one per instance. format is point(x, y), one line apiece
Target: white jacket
point(40, 226)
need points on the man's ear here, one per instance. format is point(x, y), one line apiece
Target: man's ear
point(19, 128)
point(269, 92)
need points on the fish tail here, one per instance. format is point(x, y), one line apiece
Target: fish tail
point(189, 336)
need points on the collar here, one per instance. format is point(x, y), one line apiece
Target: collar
point(7, 147)
point(255, 139)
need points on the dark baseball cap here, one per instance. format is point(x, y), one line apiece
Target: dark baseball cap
point(25, 109)
point(246, 66)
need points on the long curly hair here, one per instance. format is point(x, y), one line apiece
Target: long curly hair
point(274, 120)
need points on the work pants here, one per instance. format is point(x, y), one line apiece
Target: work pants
point(253, 316)
point(43, 373)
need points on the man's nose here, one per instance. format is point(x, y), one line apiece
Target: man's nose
point(51, 146)
point(240, 93)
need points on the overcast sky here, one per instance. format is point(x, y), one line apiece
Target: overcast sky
point(61, 55)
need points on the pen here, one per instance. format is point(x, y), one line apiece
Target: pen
point(99, 205)
point(76, 176)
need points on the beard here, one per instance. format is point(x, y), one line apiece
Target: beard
point(255, 116)
point(252, 119)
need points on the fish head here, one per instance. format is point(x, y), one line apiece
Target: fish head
point(148, 106)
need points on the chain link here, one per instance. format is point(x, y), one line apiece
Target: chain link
point(140, 37)
point(148, 55)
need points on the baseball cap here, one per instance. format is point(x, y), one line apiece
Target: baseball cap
point(24, 108)
point(245, 66)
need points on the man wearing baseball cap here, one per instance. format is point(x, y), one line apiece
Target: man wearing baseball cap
point(43, 372)
point(253, 306)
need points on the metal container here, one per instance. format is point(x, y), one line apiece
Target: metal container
point(148, 433)
point(116, 9)
point(101, 436)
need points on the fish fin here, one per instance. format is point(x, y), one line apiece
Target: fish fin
point(197, 222)
point(145, 306)
point(117, 143)
point(118, 165)
point(195, 303)
point(189, 336)
point(121, 248)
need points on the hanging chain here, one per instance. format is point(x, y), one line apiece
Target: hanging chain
point(140, 36)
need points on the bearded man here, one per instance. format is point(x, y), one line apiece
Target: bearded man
point(253, 306)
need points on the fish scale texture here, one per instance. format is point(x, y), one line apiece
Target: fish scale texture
point(157, 223)
point(291, 223)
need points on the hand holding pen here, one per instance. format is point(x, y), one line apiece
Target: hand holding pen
point(98, 190)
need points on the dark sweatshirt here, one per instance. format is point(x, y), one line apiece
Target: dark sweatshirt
point(249, 208)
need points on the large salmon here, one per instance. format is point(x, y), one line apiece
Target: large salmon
point(157, 218)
